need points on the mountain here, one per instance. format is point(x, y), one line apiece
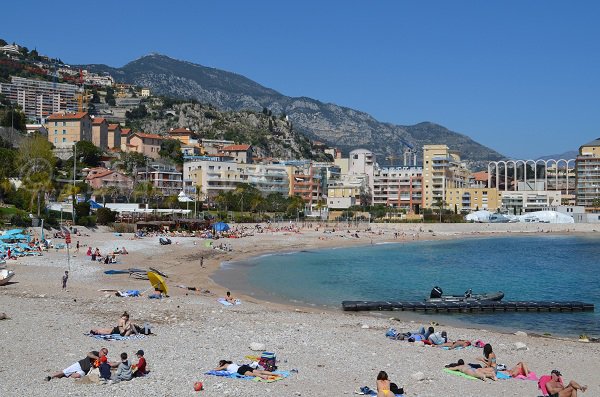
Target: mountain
point(570, 154)
point(335, 125)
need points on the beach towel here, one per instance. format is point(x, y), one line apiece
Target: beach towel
point(116, 272)
point(457, 347)
point(128, 293)
point(282, 375)
point(542, 383)
point(460, 374)
point(116, 337)
point(224, 302)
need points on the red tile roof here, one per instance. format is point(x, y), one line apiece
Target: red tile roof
point(98, 120)
point(67, 116)
point(181, 131)
point(148, 136)
point(112, 127)
point(236, 148)
point(480, 176)
point(125, 131)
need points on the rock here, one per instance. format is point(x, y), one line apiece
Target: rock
point(3, 316)
point(521, 333)
point(418, 376)
point(255, 346)
point(520, 346)
point(365, 326)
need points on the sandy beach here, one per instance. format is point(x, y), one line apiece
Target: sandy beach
point(334, 353)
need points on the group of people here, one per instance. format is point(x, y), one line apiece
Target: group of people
point(125, 370)
point(108, 258)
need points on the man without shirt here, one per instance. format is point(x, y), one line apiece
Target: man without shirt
point(556, 388)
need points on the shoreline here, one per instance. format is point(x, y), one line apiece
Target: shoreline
point(336, 352)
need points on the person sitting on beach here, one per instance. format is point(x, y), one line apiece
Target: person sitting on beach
point(139, 369)
point(230, 298)
point(83, 366)
point(556, 388)
point(385, 388)
point(123, 251)
point(438, 338)
point(124, 328)
point(479, 373)
point(489, 357)
point(244, 370)
point(455, 344)
point(89, 251)
point(123, 370)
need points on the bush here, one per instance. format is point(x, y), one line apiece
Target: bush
point(104, 216)
point(88, 221)
point(123, 227)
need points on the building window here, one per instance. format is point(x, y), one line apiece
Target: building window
point(55, 140)
point(64, 123)
point(55, 132)
point(64, 139)
point(64, 132)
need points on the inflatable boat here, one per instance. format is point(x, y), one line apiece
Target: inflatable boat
point(5, 276)
point(437, 295)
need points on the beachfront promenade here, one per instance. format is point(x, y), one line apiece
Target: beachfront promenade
point(335, 353)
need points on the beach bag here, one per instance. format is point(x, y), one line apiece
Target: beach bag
point(268, 361)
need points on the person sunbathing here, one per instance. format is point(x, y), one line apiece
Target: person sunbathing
point(124, 328)
point(245, 370)
point(479, 373)
point(519, 369)
point(455, 344)
point(230, 298)
point(556, 388)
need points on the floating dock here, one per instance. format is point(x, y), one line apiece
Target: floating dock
point(469, 307)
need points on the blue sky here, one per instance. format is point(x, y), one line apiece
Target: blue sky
point(522, 77)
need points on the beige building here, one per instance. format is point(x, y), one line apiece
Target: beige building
point(473, 199)
point(146, 144)
point(64, 129)
point(442, 170)
point(241, 153)
point(100, 132)
point(100, 177)
point(114, 136)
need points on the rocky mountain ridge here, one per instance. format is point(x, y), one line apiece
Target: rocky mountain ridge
point(335, 125)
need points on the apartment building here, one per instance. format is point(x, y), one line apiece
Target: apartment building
point(100, 177)
point(306, 181)
point(215, 174)
point(146, 144)
point(64, 129)
point(114, 136)
point(184, 135)
point(399, 187)
point(442, 169)
point(241, 153)
point(346, 191)
point(214, 146)
point(38, 98)
point(164, 178)
point(100, 132)
point(587, 166)
point(470, 199)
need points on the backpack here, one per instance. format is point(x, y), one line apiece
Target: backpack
point(268, 361)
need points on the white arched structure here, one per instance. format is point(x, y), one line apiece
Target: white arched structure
point(496, 167)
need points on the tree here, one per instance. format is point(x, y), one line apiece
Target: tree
point(88, 153)
point(36, 168)
point(596, 202)
point(144, 190)
point(132, 161)
point(14, 118)
point(137, 113)
point(171, 149)
point(110, 97)
point(104, 216)
point(295, 205)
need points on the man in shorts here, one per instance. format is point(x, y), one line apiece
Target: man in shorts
point(81, 367)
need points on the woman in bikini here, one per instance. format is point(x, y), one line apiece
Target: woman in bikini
point(489, 361)
point(479, 373)
point(455, 344)
point(124, 328)
point(383, 385)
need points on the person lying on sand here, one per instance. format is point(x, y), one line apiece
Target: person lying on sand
point(245, 370)
point(230, 298)
point(455, 344)
point(124, 328)
point(556, 388)
point(479, 373)
point(83, 366)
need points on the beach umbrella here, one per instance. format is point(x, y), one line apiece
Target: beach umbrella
point(221, 227)
point(13, 231)
point(158, 283)
point(94, 205)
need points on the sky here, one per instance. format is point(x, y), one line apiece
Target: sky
point(521, 77)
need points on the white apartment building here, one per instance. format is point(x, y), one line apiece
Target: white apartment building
point(399, 187)
point(38, 98)
point(164, 177)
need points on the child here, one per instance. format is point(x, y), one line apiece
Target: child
point(124, 369)
point(103, 367)
point(64, 280)
point(139, 369)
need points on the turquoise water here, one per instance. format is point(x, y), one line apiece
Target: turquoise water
point(525, 268)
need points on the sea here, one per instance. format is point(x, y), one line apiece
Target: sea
point(539, 267)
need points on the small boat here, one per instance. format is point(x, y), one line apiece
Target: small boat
point(5, 276)
point(437, 295)
point(164, 241)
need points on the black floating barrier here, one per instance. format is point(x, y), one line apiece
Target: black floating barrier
point(469, 307)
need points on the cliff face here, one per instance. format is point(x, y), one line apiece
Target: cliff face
point(335, 125)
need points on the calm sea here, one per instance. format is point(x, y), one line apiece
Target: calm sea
point(525, 268)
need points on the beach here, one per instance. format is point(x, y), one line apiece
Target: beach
point(334, 353)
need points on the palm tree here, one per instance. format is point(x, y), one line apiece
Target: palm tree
point(102, 191)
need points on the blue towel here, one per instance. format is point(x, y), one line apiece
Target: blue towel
point(503, 375)
point(226, 374)
point(117, 337)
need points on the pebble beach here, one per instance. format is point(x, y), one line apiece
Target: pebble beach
point(332, 353)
